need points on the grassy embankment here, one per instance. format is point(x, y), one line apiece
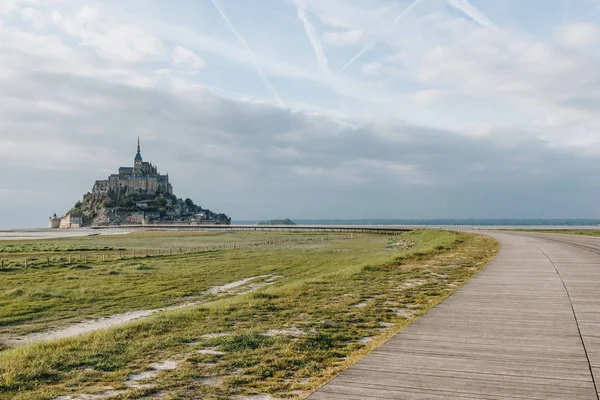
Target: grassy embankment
point(332, 295)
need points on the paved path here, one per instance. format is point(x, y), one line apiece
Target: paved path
point(526, 327)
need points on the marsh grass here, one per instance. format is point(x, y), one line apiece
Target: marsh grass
point(149, 240)
point(313, 307)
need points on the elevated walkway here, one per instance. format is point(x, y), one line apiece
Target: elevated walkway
point(526, 327)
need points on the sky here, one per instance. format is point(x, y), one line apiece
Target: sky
point(306, 109)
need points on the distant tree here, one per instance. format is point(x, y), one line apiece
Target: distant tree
point(162, 211)
point(189, 203)
point(77, 205)
point(161, 201)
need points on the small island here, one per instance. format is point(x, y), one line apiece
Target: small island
point(136, 195)
point(285, 221)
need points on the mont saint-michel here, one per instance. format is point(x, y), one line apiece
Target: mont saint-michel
point(135, 195)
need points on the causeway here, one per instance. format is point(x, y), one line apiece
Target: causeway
point(526, 327)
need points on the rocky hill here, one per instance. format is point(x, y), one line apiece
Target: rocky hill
point(100, 210)
point(137, 194)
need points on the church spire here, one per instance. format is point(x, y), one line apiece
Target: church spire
point(138, 156)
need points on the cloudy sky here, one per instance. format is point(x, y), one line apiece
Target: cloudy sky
point(306, 108)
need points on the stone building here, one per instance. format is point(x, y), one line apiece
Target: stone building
point(71, 221)
point(142, 178)
point(54, 222)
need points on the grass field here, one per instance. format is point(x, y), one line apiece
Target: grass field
point(111, 245)
point(321, 306)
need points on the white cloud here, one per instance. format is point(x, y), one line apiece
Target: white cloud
point(428, 97)
point(127, 43)
point(80, 24)
point(459, 104)
point(35, 16)
point(344, 38)
point(7, 6)
point(470, 10)
point(373, 68)
point(313, 38)
point(254, 59)
point(186, 58)
point(579, 34)
point(121, 42)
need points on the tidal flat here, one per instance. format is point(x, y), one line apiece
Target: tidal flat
point(276, 317)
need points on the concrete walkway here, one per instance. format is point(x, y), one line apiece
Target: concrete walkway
point(526, 327)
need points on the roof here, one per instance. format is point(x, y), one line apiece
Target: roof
point(138, 156)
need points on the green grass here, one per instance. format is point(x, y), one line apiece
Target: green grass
point(320, 287)
point(111, 245)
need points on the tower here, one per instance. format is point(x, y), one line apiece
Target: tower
point(137, 161)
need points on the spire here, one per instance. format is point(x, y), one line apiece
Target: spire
point(138, 156)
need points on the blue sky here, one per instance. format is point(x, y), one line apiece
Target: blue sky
point(306, 108)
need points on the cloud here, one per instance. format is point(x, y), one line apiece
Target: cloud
point(579, 34)
point(466, 7)
point(313, 38)
point(186, 58)
point(396, 20)
point(261, 74)
point(7, 6)
point(446, 119)
point(254, 150)
point(122, 42)
point(343, 38)
point(356, 57)
point(428, 97)
point(127, 43)
point(371, 68)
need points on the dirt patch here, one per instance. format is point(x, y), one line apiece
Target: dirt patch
point(212, 380)
point(215, 335)
point(97, 396)
point(404, 244)
point(365, 340)
point(231, 288)
point(404, 313)
point(363, 304)
point(413, 283)
point(135, 381)
point(285, 332)
point(211, 352)
point(80, 328)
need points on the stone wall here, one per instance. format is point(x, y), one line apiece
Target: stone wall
point(71, 221)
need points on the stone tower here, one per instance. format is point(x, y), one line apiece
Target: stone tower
point(138, 161)
point(53, 222)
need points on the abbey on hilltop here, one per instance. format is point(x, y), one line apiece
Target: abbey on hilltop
point(136, 195)
point(142, 178)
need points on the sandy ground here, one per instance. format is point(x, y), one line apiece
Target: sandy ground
point(33, 234)
point(240, 287)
